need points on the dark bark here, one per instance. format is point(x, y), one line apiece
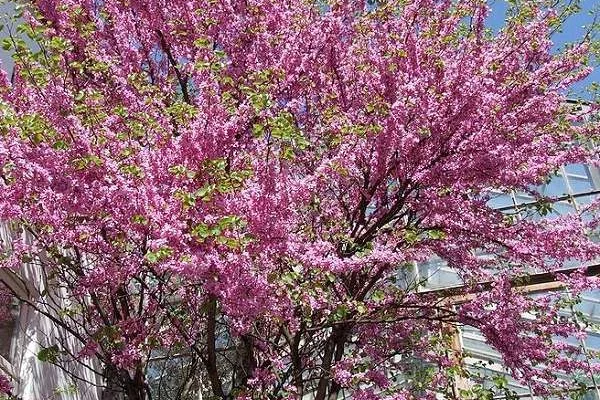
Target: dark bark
point(210, 361)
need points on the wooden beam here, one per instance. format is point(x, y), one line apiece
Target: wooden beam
point(545, 281)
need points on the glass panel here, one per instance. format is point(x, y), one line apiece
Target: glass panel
point(500, 200)
point(563, 208)
point(590, 306)
point(556, 188)
point(484, 363)
point(584, 200)
point(580, 185)
point(437, 274)
point(591, 395)
point(592, 342)
point(487, 362)
point(522, 198)
point(406, 277)
point(576, 169)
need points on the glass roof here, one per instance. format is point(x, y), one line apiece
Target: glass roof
point(575, 185)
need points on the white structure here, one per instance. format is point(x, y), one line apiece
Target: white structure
point(31, 330)
point(574, 186)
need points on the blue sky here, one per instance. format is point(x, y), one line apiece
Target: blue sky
point(573, 30)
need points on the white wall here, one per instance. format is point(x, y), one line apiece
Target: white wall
point(37, 380)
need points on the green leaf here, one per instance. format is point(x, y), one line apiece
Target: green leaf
point(378, 296)
point(361, 308)
point(133, 170)
point(500, 381)
point(205, 193)
point(258, 130)
point(80, 95)
point(543, 207)
point(340, 313)
point(188, 200)
point(411, 236)
point(158, 255)
point(60, 145)
point(436, 234)
point(203, 42)
point(139, 219)
point(287, 153)
point(6, 44)
point(201, 231)
point(49, 354)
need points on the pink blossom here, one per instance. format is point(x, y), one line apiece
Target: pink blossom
point(5, 385)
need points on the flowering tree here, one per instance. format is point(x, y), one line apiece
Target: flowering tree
point(242, 183)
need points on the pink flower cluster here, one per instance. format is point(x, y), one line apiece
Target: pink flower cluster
point(5, 385)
